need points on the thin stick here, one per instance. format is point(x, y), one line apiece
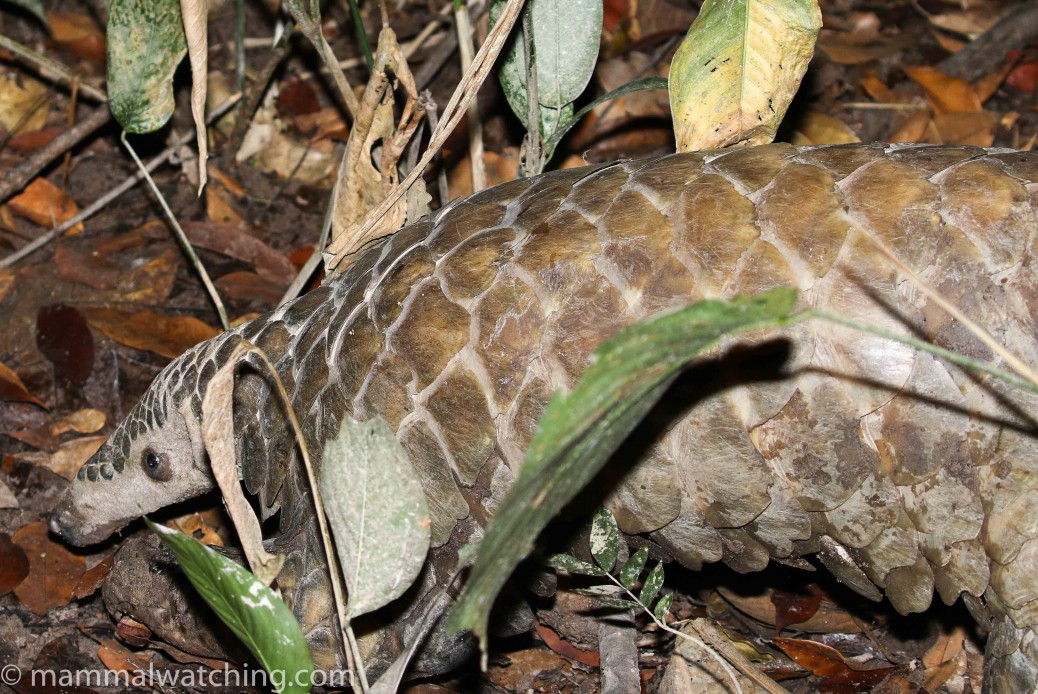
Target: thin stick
point(53, 70)
point(452, 114)
point(322, 523)
point(111, 195)
point(18, 177)
point(478, 166)
point(181, 236)
point(978, 331)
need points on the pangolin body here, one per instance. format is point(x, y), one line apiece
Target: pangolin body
point(903, 474)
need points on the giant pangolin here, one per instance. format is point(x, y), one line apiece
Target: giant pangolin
point(904, 475)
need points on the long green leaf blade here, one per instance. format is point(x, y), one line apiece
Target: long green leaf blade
point(578, 432)
point(253, 611)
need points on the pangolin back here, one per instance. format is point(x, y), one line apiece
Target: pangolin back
point(902, 473)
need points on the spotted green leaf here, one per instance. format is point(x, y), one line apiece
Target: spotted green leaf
point(252, 611)
point(652, 585)
point(632, 568)
point(571, 565)
point(660, 611)
point(605, 538)
point(145, 44)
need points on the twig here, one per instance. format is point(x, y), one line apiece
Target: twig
point(51, 69)
point(322, 522)
point(19, 177)
point(452, 115)
point(103, 201)
point(979, 332)
point(983, 55)
point(531, 160)
point(478, 166)
point(184, 242)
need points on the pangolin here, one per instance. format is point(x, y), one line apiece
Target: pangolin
point(902, 474)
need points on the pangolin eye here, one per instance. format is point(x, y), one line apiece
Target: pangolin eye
point(154, 464)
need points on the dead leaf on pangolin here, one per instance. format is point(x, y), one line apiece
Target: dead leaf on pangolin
point(147, 330)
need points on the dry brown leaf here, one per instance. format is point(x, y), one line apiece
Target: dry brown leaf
point(361, 186)
point(232, 186)
point(13, 390)
point(971, 21)
point(92, 577)
point(524, 668)
point(32, 140)
point(912, 129)
point(946, 94)
point(249, 285)
point(220, 209)
point(878, 89)
point(829, 617)
point(45, 204)
point(14, 565)
point(838, 673)
point(18, 99)
point(78, 34)
point(168, 336)
point(54, 572)
point(218, 434)
point(976, 129)
point(152, 282)
point(566, 649)
point(115, 657)
point(815, 128)
point(500, 168)
point(326, 124)
point(6, 277)
point(7, 498)
point(948, 42)
point(849, 49)
point(71, 455)
point(242, 246)
point(196, 526)
point(47, 437)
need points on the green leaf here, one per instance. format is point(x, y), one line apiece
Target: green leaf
point(566, 36)
point(145, 44)
point(607, 599)
point(652, 585)
point(605, 538)
point(34, 7)
point(632, 568)
point(253, 611)
point(571, 565)
point(736, 72)
point(660, 611)
point(378, 513)
point(579, 431)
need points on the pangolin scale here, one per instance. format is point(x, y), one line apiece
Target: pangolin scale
point(904, 475)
